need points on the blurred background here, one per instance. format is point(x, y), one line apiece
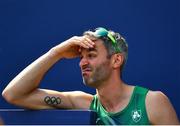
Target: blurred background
point(29, 28)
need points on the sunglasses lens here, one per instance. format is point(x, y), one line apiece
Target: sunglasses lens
point(100, 32)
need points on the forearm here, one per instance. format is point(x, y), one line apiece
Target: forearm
point(29, 79)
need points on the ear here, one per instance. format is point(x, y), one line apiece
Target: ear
point(117, 60)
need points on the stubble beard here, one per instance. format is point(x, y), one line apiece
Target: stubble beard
point(98, 75)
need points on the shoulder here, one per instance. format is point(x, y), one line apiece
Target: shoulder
point(156, 97)
point(160, 109)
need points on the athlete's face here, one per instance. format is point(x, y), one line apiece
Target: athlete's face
point(95, 65)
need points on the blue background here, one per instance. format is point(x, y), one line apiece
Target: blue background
point(29, 28)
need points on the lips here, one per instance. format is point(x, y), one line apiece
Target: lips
point(86, 71)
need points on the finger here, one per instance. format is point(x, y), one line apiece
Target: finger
point(84, 45)
point(81, 41)
point(87, 44)
point(89, 40)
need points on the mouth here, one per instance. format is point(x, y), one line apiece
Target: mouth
point(86, 71)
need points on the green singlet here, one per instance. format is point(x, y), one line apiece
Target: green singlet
point(133, 114)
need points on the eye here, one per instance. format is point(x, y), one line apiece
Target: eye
point(90, 55)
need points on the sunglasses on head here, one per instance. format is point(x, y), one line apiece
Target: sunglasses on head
point(102, 32)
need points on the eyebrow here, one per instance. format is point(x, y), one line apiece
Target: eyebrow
point(92, 49)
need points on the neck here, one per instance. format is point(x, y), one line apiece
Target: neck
point(112, 93)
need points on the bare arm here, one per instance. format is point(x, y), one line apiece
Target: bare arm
point(160, 110)
point(23, 89)
point(1, 122)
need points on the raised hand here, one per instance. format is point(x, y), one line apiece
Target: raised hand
point(70, 48)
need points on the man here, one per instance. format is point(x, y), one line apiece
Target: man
point(103, 54)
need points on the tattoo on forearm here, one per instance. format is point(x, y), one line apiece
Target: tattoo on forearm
point(52, 100)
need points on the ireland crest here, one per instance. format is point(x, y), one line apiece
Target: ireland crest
point(136, 115)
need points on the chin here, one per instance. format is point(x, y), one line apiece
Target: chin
point(89, 83)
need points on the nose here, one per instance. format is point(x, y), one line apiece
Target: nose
point(83, 61)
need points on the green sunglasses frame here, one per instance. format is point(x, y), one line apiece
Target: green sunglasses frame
point(102, 32)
